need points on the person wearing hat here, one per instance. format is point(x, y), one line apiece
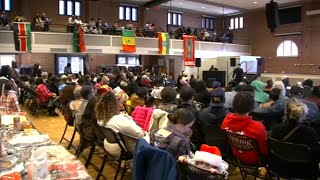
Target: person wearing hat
point(208, 158)
point(212, 117)
point(216, 84)
point(259, 95)
point(156, 92)
point(240, 122)
point(145, 81)
point(63, 82)
point(313, 114)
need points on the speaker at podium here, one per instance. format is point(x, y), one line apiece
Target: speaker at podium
point(210, 76)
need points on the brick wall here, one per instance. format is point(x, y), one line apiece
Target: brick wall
point(265, 44)
point(160, 16)
point(99, 60)
point(45, 60)
point(106, 10)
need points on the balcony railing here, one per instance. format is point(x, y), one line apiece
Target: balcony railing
point(48, 42)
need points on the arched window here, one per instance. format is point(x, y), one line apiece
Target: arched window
point(287, 48)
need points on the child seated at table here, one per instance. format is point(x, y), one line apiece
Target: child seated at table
point(208, 158)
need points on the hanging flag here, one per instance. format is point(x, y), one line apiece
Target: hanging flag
point(128, 41)
point(78, 40)
point(188, 50)
point(164, 43)
point(22, 36)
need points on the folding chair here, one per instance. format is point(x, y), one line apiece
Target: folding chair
point(189, 172)
point(291, 161)
point(244, 144)
point(69, 118)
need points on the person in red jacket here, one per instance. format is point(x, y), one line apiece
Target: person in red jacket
point(45, 96)
point(240, 122)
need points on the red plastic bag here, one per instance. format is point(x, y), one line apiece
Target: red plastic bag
point(11, 176)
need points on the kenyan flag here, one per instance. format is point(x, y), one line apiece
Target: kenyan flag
point(22, 36)
point(78, 40)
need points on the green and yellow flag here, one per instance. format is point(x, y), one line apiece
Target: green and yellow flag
point(164, 43)
point(128, 41)
point(22, 36)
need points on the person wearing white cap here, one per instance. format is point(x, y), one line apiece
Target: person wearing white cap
point(63, 79)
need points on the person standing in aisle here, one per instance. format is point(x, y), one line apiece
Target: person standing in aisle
point(238, 74)
point(67, 69)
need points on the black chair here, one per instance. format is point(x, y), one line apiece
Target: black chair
point(38, 105)
point(129, 142)
point(288, 160)
point(244, 144)
point(69, 118)
point(213, 136)
point(316, 127)
point(269, 120)
point(125, 155)
point(188, 171)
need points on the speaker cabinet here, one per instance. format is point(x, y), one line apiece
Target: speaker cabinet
point(260, 61)
point(233, 62)
point(198, 62)
point(272, 14)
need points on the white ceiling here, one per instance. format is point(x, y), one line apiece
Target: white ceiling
point(249, 4)
point(200, 7)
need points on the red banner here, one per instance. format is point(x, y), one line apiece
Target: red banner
point(188, 50)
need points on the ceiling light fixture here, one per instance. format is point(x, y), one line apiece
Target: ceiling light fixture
point(202, 7)
point(255, 2)
point(180, 3)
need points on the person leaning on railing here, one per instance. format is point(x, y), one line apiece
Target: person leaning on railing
point(19, 18)
point(4, 21)
point(45, 21)
point(72, 21)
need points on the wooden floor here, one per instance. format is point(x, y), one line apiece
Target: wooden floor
point(54, 126)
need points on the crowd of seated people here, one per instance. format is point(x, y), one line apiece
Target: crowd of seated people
point(180, 117)
point(39, 22)
point(203, 35)
point(98, 26)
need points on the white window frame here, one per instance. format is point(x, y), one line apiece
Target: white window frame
point(236, 23)
point(126, 13)
point(291, 47)
point(6, 5)
point(205, 25)
point(6, 59)
point(232, 23)
point(240, 22)
point(175, 18)
point(70, 7)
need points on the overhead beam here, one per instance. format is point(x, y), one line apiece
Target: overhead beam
point(154, 3)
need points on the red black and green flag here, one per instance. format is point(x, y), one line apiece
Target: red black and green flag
point(78, 40)
point(22, 36)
